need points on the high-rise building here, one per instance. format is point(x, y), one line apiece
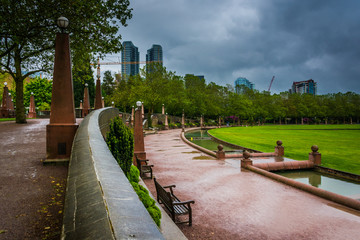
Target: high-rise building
point(241, 84)
point(155, 54)
point(129, 59)
point(308, 86)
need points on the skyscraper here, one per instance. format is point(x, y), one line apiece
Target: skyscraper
point(308, 86)
point(242, 83)
point(155, 54)
point(129, 59)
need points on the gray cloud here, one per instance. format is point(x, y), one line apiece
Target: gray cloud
point(293, 40)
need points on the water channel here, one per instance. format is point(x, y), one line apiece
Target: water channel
point(320, 180)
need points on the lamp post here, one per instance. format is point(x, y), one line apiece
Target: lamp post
point(61, 130)
point(98, 97)
point(86, 104)
point(166, 122)
point(163, 109)
point(132, 115)
point(139, 148)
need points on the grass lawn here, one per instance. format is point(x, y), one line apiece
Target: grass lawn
point(339, 145)
point(6, 119)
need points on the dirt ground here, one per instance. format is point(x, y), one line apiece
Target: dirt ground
point(32, 195)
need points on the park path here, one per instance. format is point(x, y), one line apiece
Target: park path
point(237, 204)
point(32, 195)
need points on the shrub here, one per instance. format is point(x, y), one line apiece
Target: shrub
point(148, 202)
point(134, 174)
point(120, 141)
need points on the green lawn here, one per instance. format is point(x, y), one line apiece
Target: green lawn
point(339, 145)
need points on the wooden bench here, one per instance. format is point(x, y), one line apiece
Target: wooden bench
point(172, 203)
point(143, 167)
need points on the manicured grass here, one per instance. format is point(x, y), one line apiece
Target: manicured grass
point(6, 119)
point(339, 145)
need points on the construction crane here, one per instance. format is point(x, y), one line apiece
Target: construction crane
point(271, 83)
point(119, 63)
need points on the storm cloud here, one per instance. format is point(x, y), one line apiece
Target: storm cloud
point(223, 40)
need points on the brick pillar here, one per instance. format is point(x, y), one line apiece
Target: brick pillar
point(163, 109)
point(315, 156)
point(32, 111)
point(139, 147)
point(5, 107)
point(62, 128)
point(279, 149)
point(132, 116)
point(183, 121)
point(166, 122)
point(246, 159)
point(220, 154)
point(86, 105)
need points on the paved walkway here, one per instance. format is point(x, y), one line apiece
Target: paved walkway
point(234, 204)
point(32, 195)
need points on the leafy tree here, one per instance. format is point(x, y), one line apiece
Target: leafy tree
point(42, 88)
point(27, 32)
point(108, 83)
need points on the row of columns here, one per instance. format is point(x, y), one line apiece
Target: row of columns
point(8, 105)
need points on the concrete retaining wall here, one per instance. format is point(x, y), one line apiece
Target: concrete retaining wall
point(100, 203)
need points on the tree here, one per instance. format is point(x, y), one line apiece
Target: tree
point(108, 83)
point(28, 30)
point(41, 88)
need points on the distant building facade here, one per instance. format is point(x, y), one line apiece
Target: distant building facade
point(241, 84)
point(301, 87)
point(130, 59)
point(155, 54)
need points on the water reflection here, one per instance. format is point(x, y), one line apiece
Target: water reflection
point(324, 181)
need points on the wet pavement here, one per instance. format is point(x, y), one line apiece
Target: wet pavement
point(236, 204)
point(32, 195)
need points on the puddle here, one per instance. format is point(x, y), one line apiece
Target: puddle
point(192, 152)
point(203, 158)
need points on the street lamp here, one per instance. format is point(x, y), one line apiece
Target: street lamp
point(138, 103)
point(86, 84)
point(5, 83)
point(62, 23)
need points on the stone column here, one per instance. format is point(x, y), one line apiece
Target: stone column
point(201, 121)
point(246, 159)
point(139, 147)
point(81, 105)
point(166, 122)
point(5, 99)
point(219, 122)
point(102, 102)
point(163, 109)
point(32, 111)
point(62, 128)
point(279, 149)
point(86, 105)
point(315, 156)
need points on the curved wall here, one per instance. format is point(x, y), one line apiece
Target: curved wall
point(100, 203)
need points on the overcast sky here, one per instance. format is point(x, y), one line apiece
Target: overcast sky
point(293, 40)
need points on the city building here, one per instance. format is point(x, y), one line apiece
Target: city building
point(301, 87)
point(241, 84)
point(129, 59)
point(155, 54)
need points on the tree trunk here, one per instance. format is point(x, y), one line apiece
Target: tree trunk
point(296, 122)
point(350, 120)
point(302, 121)
point(19, 81)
